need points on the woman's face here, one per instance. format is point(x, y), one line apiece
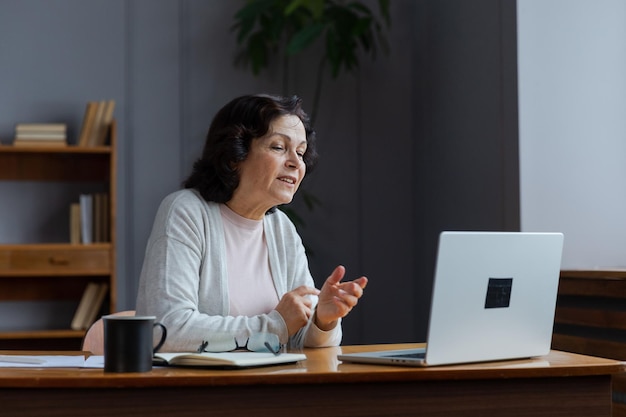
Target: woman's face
point(273, 169)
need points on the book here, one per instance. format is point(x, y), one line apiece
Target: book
point(105, 123)
point(226, 360)
point(97, 120)
point(88, 123)
point(75, 223)
point(40, 136)
point(97, 217)
point(32, 142)
point(96, 123)
point(87, 299)
point(101, 214)
point(86, 218)
point(94, 218)
point(95, 306)
point(89, 305)
point(106, 218)
point(40, 127)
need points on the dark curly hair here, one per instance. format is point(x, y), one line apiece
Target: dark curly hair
point(228, 142)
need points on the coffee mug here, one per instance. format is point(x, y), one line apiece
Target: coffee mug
point(128, 343)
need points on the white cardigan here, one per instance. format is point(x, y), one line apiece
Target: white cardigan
point(184, 282)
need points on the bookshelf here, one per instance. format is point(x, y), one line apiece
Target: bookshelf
point(59, 271)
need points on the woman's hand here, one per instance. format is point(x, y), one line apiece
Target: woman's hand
point(337, 299)
point(295, 307)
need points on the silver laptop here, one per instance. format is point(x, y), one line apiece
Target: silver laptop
point(494, 298)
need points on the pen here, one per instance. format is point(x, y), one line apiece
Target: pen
point(22, 359)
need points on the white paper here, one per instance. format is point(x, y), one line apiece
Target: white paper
point(42, 361)
point(94, 361)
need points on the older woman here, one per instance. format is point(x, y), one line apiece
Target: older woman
point(221, 259)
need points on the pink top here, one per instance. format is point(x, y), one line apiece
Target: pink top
point(250, 284)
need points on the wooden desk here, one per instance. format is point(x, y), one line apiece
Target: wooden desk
point(591, 320)
point(591, 313)
point(560, 384)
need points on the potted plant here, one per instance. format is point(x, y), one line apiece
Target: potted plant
point(282, 29)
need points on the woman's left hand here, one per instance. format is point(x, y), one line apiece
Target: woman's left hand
point(337, 299)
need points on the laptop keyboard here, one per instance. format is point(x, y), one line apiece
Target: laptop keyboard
point(416, 355)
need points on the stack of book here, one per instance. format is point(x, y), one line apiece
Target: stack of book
point(89, 219)
point(96, 123)
point(40, 134)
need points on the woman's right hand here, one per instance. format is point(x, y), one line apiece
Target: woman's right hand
point(296, 308)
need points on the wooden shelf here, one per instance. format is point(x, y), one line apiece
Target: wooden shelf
point(54, 149)
point(69, 163)
point(55, 260)
point(57, 273)
point(42, 334)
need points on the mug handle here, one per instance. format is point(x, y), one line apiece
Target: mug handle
point(163, 336)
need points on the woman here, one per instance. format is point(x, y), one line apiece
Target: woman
point(221, 259)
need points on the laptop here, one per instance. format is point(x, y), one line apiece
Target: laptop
point(494, 298)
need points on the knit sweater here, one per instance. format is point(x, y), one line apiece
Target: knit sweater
point(184, 280)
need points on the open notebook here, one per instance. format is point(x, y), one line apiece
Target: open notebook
point(494, 298)
point(236, 359)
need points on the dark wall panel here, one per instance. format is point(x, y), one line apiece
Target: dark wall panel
point(466, 165)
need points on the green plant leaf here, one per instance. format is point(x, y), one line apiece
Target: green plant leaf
point(350, 28)
point(360, 8)
point(304, 38)
point(257, 52)
point(247, 16)
point(315, 8)
point(383, 6)
point(293, 6)
point(361, 26)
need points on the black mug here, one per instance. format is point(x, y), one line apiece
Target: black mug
point(128, 343)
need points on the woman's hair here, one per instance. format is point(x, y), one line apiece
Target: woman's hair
point(228, 141)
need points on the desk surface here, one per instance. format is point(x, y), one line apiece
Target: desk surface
point(321, 366)
point(560, 384)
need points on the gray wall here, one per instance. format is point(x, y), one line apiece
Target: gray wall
point(420, 141)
